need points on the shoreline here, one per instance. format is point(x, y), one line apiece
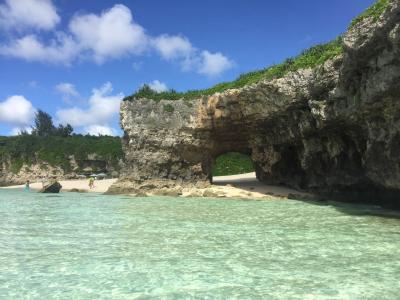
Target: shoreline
point(81, 185)
point(244, 186)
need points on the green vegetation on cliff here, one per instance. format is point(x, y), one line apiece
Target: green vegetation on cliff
point(232, 163)
point(55, 145)
point(307, 59)
point(55, 150)
point(374, 12)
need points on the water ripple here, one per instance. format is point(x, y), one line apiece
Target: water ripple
point(78, 246)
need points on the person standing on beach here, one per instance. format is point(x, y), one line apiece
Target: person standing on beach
point(91, 182)
point(27, 185)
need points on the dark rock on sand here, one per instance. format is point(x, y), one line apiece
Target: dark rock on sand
point(53, 187)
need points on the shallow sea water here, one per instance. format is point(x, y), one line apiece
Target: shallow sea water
point(89, 246)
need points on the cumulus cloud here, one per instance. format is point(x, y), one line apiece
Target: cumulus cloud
point(180, 48)
point(60, 50)
point(173, 47)
point(177, 48)
point(102, 108)
point(112, 34)
point(67, 90)
point(22, 14)
point(17, 111)
point(158, 86)
point(213, 64)
point(109, 35)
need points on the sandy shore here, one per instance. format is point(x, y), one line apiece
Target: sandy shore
point(100, 186)
point(249, 185)
point(235, 186)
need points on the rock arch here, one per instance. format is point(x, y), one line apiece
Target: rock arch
point(333, 129)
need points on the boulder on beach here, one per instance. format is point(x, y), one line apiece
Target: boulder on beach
point(53, 187)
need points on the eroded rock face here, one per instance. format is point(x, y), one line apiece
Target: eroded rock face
point(39, 170)
point(334, 129)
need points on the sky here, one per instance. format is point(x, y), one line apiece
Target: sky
point(77, 59)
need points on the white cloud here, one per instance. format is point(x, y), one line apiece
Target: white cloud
point(67, 90)
point(26, 14)
point(173, 47)
point(103, 108)
point(177, 48)
point(62, 49)
point(100, 130)
point(110, 35)
point(180, 48)
point(158, 86)
point(17, 111)
point(213, 64)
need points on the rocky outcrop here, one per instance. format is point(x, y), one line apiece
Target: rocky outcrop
point(37, 170)
point(51, 188)
point(334, 129)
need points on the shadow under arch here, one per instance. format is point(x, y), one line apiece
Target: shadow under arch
point(238, 169)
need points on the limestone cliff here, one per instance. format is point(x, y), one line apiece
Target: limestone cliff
point(12, 173)
point(333, 129)
point(33, 157)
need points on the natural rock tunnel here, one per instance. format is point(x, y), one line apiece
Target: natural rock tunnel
point(232, 163)
point(333, 129)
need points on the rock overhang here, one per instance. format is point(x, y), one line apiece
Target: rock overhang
point(333, 129)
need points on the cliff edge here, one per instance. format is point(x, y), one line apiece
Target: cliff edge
point(332, 129)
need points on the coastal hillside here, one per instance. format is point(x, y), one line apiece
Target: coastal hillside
point(28, 157)
point(325, 121)
point(51, 152)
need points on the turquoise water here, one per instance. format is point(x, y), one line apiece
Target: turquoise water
point(88, 246)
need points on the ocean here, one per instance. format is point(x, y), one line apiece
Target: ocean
point(91, 246)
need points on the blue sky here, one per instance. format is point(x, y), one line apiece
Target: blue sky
point(77, 59)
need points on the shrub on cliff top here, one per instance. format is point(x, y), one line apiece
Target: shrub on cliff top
point(169, 108)
point(374, 12)
point(307, 59)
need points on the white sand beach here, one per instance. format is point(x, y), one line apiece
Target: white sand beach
point(234, 186)
point(248, 184)
point(100, 186)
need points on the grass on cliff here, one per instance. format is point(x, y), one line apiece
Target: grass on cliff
point(232, 163)
point(30, 149)
point(307, 59)
point(374, 12)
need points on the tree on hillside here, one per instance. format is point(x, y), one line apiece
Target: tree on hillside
point(64, 131)
point(44, 126)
